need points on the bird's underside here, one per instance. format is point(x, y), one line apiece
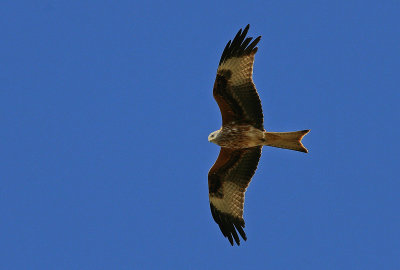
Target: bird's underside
point(238, 136)
point(241, 136)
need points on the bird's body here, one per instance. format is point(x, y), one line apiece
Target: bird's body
point(241, 136)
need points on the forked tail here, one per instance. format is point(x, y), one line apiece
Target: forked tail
point(287, 140)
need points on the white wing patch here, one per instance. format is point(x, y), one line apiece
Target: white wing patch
point(241, 67)
point(233, 199)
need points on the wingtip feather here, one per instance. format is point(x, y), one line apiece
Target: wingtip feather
point(239, 45)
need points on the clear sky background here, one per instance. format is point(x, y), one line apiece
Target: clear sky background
point(105, 109)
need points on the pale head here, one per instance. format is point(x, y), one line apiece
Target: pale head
point(213, 136)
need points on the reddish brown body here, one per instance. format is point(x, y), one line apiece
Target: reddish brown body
point(236, 136)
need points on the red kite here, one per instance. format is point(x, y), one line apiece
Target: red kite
point(241, 136)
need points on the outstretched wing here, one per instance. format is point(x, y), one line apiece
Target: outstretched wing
point(234, 89)
point(227, 182)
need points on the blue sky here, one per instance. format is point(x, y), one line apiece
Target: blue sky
point(105, 110)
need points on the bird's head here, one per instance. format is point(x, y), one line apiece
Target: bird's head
point(213, 136)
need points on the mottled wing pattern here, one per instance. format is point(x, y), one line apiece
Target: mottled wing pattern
point(227, 182)
point(234, 89)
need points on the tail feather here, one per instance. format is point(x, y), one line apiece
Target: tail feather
point(287, 140)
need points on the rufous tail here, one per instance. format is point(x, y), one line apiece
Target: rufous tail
point(287, 140)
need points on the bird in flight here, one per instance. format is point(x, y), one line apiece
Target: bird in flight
point(241, 136)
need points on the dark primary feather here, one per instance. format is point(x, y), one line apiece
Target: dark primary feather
point(237, 166)
point(227, 224)
point(237, 47)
